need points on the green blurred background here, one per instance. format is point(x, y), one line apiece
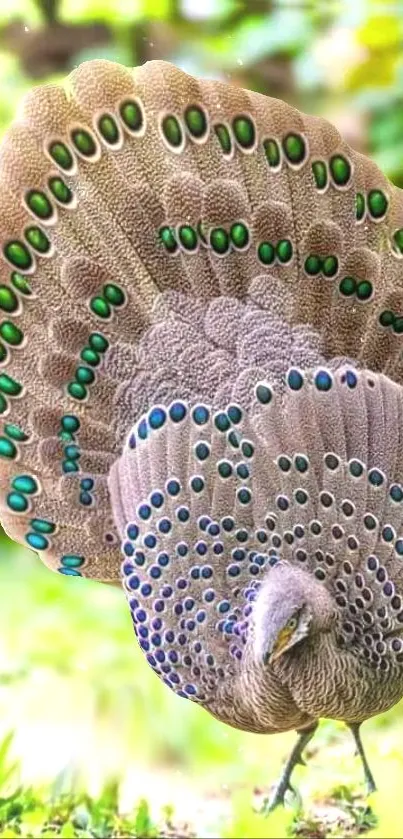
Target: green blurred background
point(95, 733)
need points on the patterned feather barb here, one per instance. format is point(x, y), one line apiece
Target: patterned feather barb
point(201, 366)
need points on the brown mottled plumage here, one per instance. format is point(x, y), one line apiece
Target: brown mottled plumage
point(202, 372)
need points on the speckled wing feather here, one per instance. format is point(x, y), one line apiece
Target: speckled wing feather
point(173, 241)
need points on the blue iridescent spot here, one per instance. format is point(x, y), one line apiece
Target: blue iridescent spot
point(254, 569)
point(143, 631)
point(151, 660)
point(213, 529)
point(224, 468)
point(264, 394)
point(173, 656)
point(160, 656)
point(86, 499)
point(181, 583)
point(140, 615)
point(156, 639)
point(132, 441)
point(133, 582)
point(188, 603)
point(234, 413)
point(195, 572)
point(238, 554)
point(242, 535)
point(227, 524)
point(144, 644)
point(295, 379)
point(156, 624)
point(157, 499)
point(221, 421)
point(155, 572)
point(388, 534)
point(164, 525)
point(182, 640)
point(200, 415)
point(142, 429)
point(356, 468)
point(167, 591)
point(209, 595)
point(175, 678)
point(144, 511)
point(244, 495)
point(190, 689)
point(169, 636)
point(69, 572)
point(206, 572)
point(233, 570)
point(128, 549)
point(163, 560)
point(132, 531)
point(146, 589)
point(223, 606)
point(202, 451)
point(218, 548)
point(183, 514)
point(399, 547)
point(201, 616)
point(323, 380)
point(177, 411)
point(173, 487)
point(127, 568)
point(351, 379)
point(375, 477)
point(197, 483)
point(42, 526)
point(191, 625)
point(156, 418)
point(37, 541)
point(210, 660)
point(201, 548)
point(182, 549)
point(247, 448)
point(197, 647)
point(139, 558)
point(87, 484)
point(242, 471)
point(72, 560)
point(234, 438)
point(396, 493)
point(262, 536)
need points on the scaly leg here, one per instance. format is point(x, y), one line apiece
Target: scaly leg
point(284, 784)
point(369, 778)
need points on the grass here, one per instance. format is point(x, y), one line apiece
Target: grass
point(100, 747)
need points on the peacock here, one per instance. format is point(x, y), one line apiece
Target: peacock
point(201, 387)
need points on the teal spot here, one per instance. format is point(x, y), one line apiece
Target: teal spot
point(25, 483)
point(17, 502)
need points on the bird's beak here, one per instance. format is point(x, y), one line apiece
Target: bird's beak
point(280, 644)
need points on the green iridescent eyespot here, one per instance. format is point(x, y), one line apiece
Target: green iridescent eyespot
point(84, 142)
point(21, 284)
point(60, 190)
point(114, 294)
point(187, 237)
point(108, 129)
point(239, 235)
point(330, 266)
point(9, 386)
point(266, 253)
point(294, 148)
point(347, 286)
point(37, 239)
point(39, 204)
point(8, 449)
point(284, 250)
point(8, 300)
point(244, 131)
point(219, 240)
point(196, 121)
point(398, 240)
point(172, 131)
point(18, 254)
point(340, 169)
point(61, 155)
point(272, 152)
point(319, 171)
point(167, 236)
point(100, 307)
point(364, 290)
point(359, 206)
point(313, 265)
point(132, 115)
point(11, 334)
point(377, 204)
point(387, 318)
point(224, 138)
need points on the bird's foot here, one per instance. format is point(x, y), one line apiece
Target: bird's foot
point(277, 798)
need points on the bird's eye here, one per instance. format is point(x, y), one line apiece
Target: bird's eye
point(292, 623)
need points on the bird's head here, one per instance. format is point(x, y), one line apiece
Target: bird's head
point(291, 607)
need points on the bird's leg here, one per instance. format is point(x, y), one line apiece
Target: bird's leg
point(369, 779)
point(284, 784)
